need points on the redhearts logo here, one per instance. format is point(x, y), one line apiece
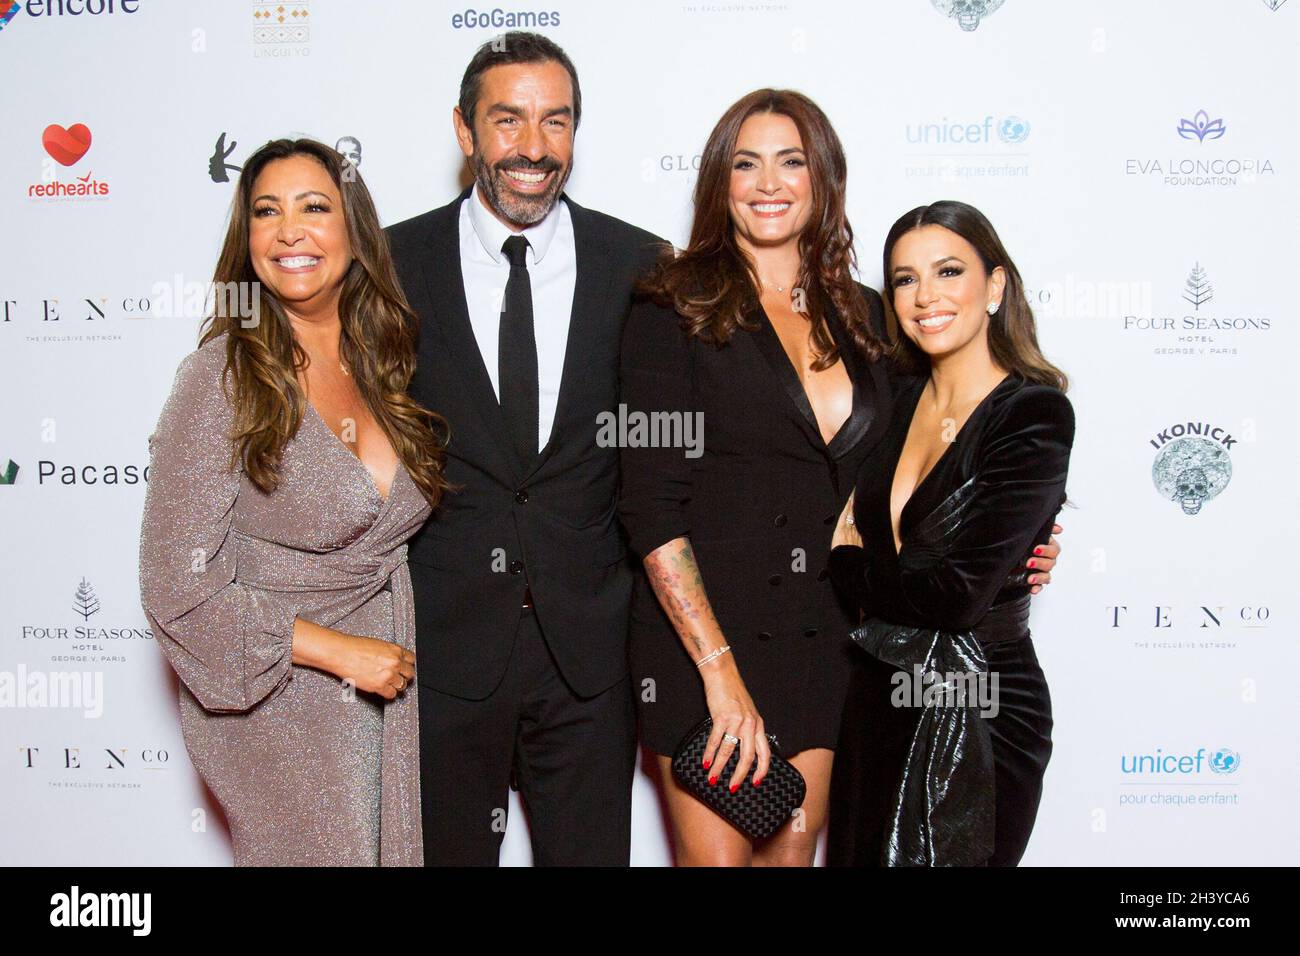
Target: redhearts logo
point(66, 146)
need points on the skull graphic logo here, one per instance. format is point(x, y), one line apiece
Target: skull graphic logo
point(967, 13)
point(1191, 471)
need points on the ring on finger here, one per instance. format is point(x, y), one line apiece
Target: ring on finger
point(731, 739)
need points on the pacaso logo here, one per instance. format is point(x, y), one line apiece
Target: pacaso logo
point(67, 146)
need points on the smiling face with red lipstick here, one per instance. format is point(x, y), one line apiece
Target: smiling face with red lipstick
point(297, 235)
point(942, 292)
point(770, 198)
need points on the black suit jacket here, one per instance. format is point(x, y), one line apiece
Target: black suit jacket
point(767, 478)
point(759, 507)
point(553, 527)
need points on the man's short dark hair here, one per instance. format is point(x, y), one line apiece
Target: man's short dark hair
point(517, 46)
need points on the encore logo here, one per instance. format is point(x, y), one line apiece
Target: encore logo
point(67, 146)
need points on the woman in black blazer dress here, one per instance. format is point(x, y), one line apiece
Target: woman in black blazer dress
point(735, 535)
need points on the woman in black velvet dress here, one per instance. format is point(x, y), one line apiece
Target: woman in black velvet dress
point(968, 478)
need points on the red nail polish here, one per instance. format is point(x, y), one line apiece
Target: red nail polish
point(707, 761)
point(1038, 550)
point(757, 782)
point(713, 781)
point(735, 787)
point(1032, 564)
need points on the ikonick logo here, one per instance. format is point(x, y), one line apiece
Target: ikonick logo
point(1192, 464)
point(967, 13)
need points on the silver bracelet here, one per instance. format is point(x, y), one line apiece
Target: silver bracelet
point(713, 655)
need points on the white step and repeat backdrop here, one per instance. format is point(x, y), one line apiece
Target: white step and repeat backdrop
point(1141, 160)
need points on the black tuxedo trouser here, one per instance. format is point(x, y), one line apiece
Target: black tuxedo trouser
point(571, 758)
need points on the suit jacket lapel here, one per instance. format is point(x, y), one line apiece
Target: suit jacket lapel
point(445, 284)
point(866, 383)
point(774, 354)
point(866, 394)
point(590, 294)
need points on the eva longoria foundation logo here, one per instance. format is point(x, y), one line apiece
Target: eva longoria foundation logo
point(1205, 166)
point(1201, 127)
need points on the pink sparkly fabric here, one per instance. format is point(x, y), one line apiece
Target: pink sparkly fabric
point(307, 771)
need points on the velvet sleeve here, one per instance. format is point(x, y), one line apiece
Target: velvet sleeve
point(950, 576)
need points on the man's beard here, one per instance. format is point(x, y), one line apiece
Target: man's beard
point(519, 209)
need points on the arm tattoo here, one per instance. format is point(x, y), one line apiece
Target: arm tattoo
point(677, 583)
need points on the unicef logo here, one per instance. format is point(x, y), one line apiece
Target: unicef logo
point(1224, 760)
point(1013, 130)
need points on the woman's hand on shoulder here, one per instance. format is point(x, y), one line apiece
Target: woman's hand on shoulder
point(846, 530)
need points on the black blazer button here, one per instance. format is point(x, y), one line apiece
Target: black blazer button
point(780, 521)
point(774, 580)
point(764, 636)
point(521, 496)
point(516, 567)
point(810, 632)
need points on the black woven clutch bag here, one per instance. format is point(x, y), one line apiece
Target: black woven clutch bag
point(757, 812)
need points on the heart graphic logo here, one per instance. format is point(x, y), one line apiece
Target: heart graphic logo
point(66, 146)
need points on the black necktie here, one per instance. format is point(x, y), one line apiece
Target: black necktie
point(517, 354)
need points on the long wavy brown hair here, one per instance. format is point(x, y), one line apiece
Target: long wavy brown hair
point(713, 283)
point(377, 340)
point(1012, 333)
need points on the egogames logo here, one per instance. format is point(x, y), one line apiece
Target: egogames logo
point(498, 19)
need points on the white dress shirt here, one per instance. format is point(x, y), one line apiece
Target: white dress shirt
point(552, 274)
